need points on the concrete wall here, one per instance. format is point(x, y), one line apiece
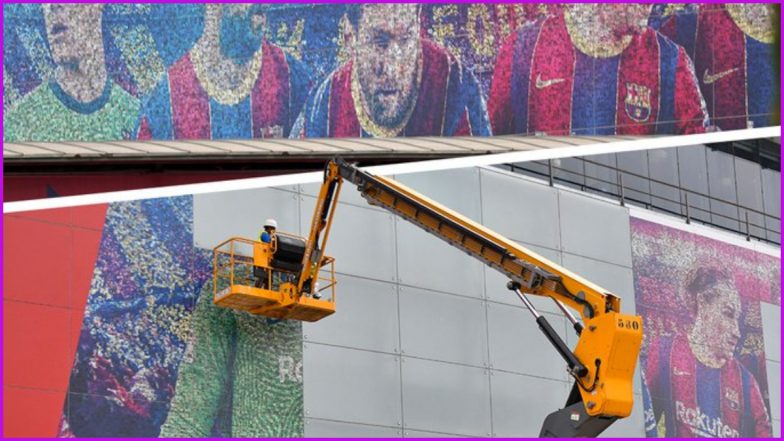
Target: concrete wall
point(427, 341)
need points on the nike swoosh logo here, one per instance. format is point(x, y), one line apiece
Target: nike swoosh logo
point(707, 78)
point(541, 84)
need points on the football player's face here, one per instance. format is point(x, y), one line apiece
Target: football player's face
point(721, 318)
point(387, 58)
point(73, 31)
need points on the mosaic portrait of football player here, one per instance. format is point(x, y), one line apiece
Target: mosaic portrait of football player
point(594, 69)
point(703, 361)
point(233, 84)
point(81, 101)
point(396, 83)
point(734, 49)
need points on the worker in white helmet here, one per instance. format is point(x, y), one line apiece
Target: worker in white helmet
point(270, 225)
point(267, 235)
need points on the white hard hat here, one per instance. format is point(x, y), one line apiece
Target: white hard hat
point(271, 223)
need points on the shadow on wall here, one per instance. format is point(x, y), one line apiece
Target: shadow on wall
point(155, 356)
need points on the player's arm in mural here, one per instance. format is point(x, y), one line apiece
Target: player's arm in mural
point(233, 84)
point(202, 389)
point(241, 376)
point(595, 69)
point(396, 83)
point(80, 101)
point(734, 49)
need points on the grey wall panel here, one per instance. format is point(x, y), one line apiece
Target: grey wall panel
point(443, 327)
point(366, 316)
point(521, 403)
point(632, 426)
point(220, 216)
point(423, 434)
point(594, 228)
point(361, 240)
point(748, 181)
point(428, 262)
point(519, 209)
point(456, 189)
point(663, 165)
point(693, 175)
point(771, 330)
point(351, 385)
point(773, 369)
point(348, 194)
point(721, 185)
point(619, 280)
point(445, 397)
point(495, 283)
point(315, 428)
point(517, 344)
point(776, 428)
point(771, 197)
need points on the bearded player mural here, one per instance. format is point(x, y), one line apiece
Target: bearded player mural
point(267, 71)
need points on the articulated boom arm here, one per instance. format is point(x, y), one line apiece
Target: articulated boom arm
point(609, 343)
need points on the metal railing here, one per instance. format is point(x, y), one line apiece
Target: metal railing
point(750, 222)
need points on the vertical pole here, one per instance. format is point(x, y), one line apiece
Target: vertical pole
point(620, 182)
point(688, 215)
point(748, 230)
point(550, 171)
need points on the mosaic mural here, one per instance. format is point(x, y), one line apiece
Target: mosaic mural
point(703, 360)
point(156, 357)
point(155, 71)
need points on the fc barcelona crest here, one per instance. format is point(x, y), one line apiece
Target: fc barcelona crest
point(638, 102)
point(733, 398)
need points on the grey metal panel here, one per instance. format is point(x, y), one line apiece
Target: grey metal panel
point(521, 403)
point(423, 434)
point(445, 397)
point(315, 428)
point(636, 188)
point(520, 209)
point(600, 173)
point(457, 189)
point(776, 428)
point(495, 283)
point(693, 175)
point(348, 194)
point(748, 180)
point(632, 426)
point(771, 191)
point(443, 327)
point(351, 385)
point(361, 240)
point(594, 228)
point(663, 165)
point(517, 344)
point(220, 216)
point(429, 262)
point(721, 185)
point(771, 330)
point(773, 369)
point(618, 279)
point(366, 316)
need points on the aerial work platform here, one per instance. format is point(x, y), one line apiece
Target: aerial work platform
point(248, 277)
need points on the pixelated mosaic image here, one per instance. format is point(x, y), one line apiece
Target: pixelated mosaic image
point(105, 72)
point(703, 360)
point(156, 357)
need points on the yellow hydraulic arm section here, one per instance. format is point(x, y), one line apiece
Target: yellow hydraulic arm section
point(603, 361)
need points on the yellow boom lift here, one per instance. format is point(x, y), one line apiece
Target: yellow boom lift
point(292, 278)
